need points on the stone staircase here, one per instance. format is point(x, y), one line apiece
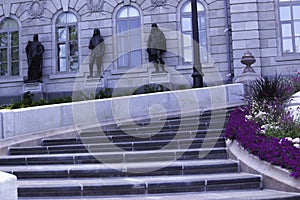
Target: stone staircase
point(183, 156)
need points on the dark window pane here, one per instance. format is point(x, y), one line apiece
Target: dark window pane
point(3, 69)
point(4, 55)
point(15, 54)
point(73, 48)
point(73, 33)
point(74, 66)
point(15, 68)
point(15, 39)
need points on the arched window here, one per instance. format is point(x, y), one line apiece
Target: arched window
point(186, 28)
point(289, 12)
point(67, 42)
point(129, 37)
point(9, 47)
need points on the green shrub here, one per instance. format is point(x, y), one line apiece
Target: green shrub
point(269, 89)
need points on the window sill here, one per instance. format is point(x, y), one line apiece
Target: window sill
point(11, 79)
point(66, 75)
point(129, 71)
point(190, 66)
point(283, 58)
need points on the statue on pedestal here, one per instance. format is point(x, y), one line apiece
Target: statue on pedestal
point(156, 46)
point(34, 51)
point(98, 48)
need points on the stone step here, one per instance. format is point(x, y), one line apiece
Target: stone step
point(213, 195)
point(122, 170)
point(137, 185)
point(155, 128)
point(174, 122)
point(98, 137)
point(116, 157)
point(126, 146)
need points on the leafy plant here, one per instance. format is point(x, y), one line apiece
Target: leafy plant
point(268, 89)
point(274, 119)
point(277, 151)
point(296, 82)
point(103, 94)
point(151, 88)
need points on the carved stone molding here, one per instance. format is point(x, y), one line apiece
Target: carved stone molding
point(36, 9)
point(95, 5)
point(158, 3)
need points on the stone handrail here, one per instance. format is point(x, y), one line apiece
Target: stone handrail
point(18, 122)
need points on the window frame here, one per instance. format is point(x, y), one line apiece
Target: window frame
point(66, 26)
point(9, 32)
point(203, 47)
point(291, 22)
point(126, 34)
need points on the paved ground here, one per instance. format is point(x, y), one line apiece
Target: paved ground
point(225, 195)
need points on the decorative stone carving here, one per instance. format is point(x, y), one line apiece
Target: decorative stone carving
point(95, 5)
point(158, 3)
point(36, 9)
point(126, 2)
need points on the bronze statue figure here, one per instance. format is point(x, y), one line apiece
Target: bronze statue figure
point(98, 48)
point(34, 51)
point(156, 46)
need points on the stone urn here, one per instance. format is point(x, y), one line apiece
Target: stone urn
point(248, 59)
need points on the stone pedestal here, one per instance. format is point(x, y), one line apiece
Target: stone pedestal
point(247, 79)
point(95, 83)
point(35, 88)
point(161, 78)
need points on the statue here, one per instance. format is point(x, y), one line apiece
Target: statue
point(34, 51)
point(156, 46)
point(97, 47)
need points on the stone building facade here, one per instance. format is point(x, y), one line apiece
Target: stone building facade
point(270, 29)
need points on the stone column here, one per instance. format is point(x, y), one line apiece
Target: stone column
point(8, 186)
point(245, 33)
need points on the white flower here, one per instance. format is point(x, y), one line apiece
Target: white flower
point(260, 114)
point(289, 139)
point(248, 117)
point(297, 146)
point(296, 140)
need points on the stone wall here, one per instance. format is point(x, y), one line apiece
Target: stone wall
point(38, 17)
point(253, 25)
